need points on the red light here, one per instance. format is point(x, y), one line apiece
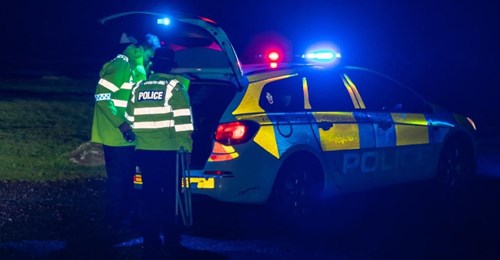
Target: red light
point(137, 179)
point(273, 56)
point(208, 20)
point(235, 132)
point(219, 173)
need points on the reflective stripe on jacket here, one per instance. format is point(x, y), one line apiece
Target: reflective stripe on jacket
point(160, 114)
point(112, 94)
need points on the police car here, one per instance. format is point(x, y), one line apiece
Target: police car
point(288, 135)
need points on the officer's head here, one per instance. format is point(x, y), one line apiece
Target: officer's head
point(150, 43)
point(164, 60)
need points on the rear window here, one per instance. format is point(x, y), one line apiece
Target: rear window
point(283, 95)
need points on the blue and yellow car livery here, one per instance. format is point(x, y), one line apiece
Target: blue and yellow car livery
point(343, 150)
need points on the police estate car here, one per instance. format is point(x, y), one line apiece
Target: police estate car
point(292, 134)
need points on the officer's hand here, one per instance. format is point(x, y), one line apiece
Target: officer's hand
point(129, 136)
point(127, 132)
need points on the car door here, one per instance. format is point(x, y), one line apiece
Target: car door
point(343, 131)
point(401, 127)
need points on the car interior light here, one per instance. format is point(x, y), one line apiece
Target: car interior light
point(164, 21)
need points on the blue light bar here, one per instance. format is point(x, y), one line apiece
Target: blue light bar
point(321, 55)
point(164, 21)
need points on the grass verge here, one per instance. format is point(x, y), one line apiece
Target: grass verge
point(41, 122)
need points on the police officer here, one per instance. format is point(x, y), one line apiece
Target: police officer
point(160, 115)
point(110, 128)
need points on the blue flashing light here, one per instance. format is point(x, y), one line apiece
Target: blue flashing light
point(164, 21)
point(321, 56)
point(324, 53)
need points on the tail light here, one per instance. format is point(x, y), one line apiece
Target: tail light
point(138, 181)
point(236, 132)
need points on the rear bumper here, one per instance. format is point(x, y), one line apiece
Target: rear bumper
point(237, 188)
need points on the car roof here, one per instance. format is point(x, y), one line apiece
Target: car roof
point(256, 72)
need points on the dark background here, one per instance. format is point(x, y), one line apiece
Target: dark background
point(446, 50)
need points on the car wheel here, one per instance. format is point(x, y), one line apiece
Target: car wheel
point(295, 193)
point(456, 166)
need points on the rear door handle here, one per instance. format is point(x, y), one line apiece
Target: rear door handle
point(384, 125)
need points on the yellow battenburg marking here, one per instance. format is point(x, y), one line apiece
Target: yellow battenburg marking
point(305, 89)
point(342, 135)
point(250, 102)
point(356, 93)
point(266, 139)
point(410, 129)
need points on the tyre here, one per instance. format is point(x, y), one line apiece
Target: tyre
point(456, 166)
point(296, 192)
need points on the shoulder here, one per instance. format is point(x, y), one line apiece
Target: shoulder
point(116, 65)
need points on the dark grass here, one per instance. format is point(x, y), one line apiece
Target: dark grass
point(41, 122)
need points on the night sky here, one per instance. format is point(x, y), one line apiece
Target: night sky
point(446, 50)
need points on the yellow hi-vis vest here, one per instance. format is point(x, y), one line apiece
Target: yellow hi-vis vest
point(112, 94)
point(160, 114)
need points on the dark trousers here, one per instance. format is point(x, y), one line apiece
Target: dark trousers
point(120, 169)
point(158, 193)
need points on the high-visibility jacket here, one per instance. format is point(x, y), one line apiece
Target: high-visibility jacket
point(112, 94)
point(160, 113)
